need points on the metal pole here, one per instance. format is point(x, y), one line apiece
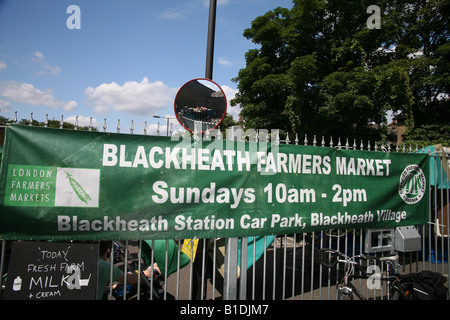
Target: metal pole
point(167, 133)
point(199, 266)
point(167, 118)
point(230, 281)
point(210, 44)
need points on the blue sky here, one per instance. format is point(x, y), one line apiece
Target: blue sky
point(127, 61)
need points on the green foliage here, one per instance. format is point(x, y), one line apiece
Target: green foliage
point(319, 69)
point(427, 135)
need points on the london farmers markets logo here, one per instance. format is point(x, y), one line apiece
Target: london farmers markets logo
point(41, 186)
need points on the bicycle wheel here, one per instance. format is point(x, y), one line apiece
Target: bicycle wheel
point(403, 292)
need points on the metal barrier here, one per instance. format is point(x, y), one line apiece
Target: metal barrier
point(196, 125)
point(288, 267)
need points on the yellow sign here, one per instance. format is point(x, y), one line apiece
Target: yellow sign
point(190, 247)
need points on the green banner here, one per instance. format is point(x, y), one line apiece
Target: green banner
point(63, 184)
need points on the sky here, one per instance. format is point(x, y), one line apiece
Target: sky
point(117, 59)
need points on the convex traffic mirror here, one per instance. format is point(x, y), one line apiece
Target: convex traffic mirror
point(200, 105)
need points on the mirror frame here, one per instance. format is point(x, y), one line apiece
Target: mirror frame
point(184, 85)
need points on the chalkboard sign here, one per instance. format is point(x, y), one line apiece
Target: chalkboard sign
point(49, 270)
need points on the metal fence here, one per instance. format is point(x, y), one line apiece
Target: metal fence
point(288, 267)
point(194, 124)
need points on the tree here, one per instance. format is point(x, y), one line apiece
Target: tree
point(320, 69)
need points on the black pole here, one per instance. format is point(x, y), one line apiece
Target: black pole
point(200, 269)
point(210, 44)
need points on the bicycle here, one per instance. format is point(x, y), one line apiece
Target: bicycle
point(360, 267)
point(151, 289)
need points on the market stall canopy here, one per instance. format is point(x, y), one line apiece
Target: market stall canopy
point(439, 165)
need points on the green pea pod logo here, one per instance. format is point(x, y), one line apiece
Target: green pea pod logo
point(78, 189)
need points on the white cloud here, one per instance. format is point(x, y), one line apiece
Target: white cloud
point(28, 94)
point(5, 106)
point(230, 93)
point(142, 98)
point(70, 106)
point(3, 65)
point(180, 11)
point(173, 14)
point(39, 58)
point(224, 62)
point(53, 70)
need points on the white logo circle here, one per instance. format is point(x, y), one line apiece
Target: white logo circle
point(412, 184)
